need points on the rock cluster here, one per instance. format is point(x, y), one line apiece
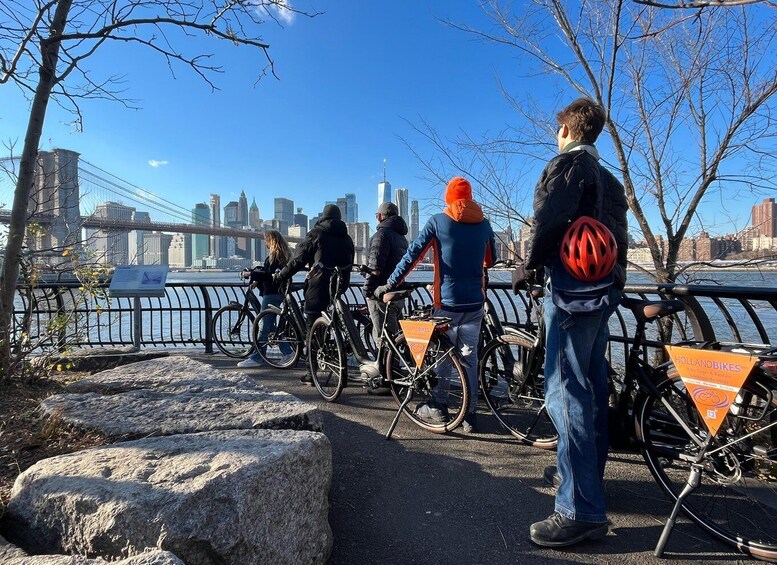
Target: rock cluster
point(212, 484)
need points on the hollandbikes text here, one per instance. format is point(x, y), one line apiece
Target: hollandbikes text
point(717, 365)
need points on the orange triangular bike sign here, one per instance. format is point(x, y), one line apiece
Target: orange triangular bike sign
point(713, 379)
point(417, 333)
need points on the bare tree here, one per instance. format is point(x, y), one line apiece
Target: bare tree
point(690, 103)
point(691, 4)
point(44, 48)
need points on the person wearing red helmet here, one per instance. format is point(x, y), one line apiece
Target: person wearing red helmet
point(580, 238)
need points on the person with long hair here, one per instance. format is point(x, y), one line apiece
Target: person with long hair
point(278, 256)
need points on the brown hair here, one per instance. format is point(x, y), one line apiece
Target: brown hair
point(584, 118)
point(277, 247)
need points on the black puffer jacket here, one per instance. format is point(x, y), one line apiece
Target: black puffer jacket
point(387, 247)
point(567, 189)
point(262, 276)
point(327, 243)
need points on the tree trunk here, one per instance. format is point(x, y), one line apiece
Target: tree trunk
point(18, 224)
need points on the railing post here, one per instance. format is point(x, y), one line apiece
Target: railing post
point(136, 322)
point(62, 337)
point(208, 320)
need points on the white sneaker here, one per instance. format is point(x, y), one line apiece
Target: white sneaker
point(246, 363)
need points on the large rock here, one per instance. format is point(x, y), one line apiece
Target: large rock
point(169, 374)
point(12, 555)
point(176, 395)
point(228, 497)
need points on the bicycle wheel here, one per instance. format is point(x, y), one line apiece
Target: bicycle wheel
point(440, 381)
point(327, 359)
point(282, 346)
point(513, 387)
point(737, 498)
point(231, 328)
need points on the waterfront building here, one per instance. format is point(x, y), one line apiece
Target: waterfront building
point(301, 220)
point(232, 215)
point(157, 248)
point(200, 242)
point(400, 199)
point(284, 213)
point(414, 220)
point(254, 218)
point(180, 253)
point(215, 218)
point(765, 218)
point(137, 239)
point(56, 192)
point(242, 209)
point(351, 209)
point(639, 255)
point(111, 246)
point(297, 231)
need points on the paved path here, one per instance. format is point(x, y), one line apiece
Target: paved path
point(428, 499)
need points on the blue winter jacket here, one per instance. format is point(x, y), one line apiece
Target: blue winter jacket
point(462, 243)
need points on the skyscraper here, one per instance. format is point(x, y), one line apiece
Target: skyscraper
point(180, 252)
point(254, 217)
point(232, 215)
point(200, 242)
point(158, 247)
point(215, 219)
point(284, 213)
point(242, 209)
point(112, 246)
point(351, 208)
point(765, 218)
point(301, 220)
point(414, 218)
point(400, 199)
point(384, 188)
point(342, 203)
point(137, 243)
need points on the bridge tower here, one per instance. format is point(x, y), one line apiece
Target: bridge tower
point(56, 193)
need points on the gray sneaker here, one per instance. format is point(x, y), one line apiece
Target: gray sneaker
point(430, 411)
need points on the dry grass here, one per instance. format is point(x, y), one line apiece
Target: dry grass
point(26, 436)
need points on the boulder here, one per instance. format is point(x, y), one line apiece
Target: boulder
point(143, 413)
point(227, 497)
point(99, 358)
point(168, 374)
point(12, 555)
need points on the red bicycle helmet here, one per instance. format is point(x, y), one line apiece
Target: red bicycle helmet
point(588, 250)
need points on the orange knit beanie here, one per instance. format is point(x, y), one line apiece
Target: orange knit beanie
point(458, 189)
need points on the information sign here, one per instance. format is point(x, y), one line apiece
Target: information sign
point(713, 379)
point(417, 333)
point(138, 280)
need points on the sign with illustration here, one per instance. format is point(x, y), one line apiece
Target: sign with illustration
point(138, 280)
point(713, 379)
point(417, 333)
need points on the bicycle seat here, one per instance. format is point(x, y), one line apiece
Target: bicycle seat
point(647, 310)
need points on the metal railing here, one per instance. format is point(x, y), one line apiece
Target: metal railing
point(182, 318)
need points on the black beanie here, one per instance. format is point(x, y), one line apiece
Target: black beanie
point(332, 211)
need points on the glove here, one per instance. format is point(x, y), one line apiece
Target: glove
point(276, 277)
point(368, 293)
point(521, 278)
point(381, 290)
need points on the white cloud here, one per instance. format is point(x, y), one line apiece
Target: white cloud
point(154, 163)
point(277, 9)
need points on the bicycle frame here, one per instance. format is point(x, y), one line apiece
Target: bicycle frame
point(291, 307)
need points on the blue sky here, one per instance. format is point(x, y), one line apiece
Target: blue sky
point(350, 79)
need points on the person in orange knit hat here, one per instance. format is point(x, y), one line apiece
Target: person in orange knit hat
point(462, 243)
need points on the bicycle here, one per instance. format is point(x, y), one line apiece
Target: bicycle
point(510, 374)
point(231, 325)
point(333, 336)
point(725, 482)
point(282, 346)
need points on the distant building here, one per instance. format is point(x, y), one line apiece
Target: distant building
point(765, 218)
point(401, 200)
point(254, 217)
point(297, 231)
point(384, 189)
point(301, 220)
point(342, 203)
point(136, 239)
point(215, 219)
point(111, 246)
point(351, 209)
point(242, 209)
point(157, 248)
point(284, 213)
point(232, 215)
point(414, 220)
point(200, 242)
point(180, 252)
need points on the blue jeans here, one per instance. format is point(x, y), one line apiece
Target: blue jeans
point(268, 325)
point(464, 333)
point(576, 395)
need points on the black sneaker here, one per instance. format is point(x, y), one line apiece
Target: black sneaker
point(558, 531)
point(551, 477)
point(307, 379)
point(470, 423)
